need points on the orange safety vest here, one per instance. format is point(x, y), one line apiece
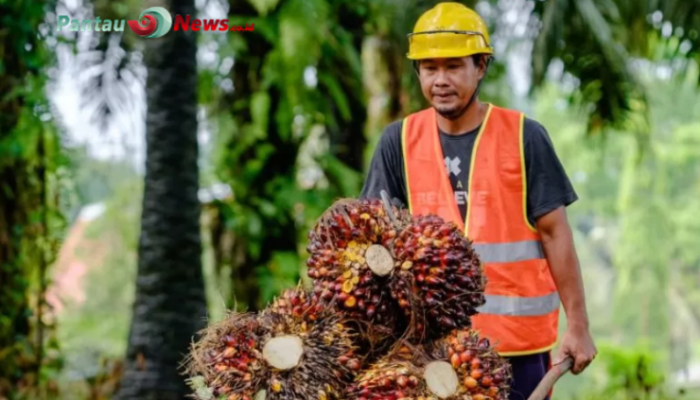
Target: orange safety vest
point(521, 313)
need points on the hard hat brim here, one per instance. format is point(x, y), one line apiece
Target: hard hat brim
point(446, 44)
point(445, 54)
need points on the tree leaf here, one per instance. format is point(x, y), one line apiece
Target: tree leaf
point(337, 94)
point(260, 110)
point(264, 6)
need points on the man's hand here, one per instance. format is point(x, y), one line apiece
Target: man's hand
point(577, 343)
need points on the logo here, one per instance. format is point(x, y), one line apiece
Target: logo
point(452, 165)
point(154, 22)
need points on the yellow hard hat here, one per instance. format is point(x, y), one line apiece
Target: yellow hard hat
point(448, 30)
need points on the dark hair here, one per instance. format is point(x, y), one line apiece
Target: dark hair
point(476, 59)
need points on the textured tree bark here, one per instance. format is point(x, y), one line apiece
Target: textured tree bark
point(170, 305)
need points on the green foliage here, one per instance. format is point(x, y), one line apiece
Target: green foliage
point(262, 127)
point(631, 373)
point(30, 221)
point(281, 273)
point(93, 180)
point(634, 371)
point(634, 225)
point(281, 146)
point(108, 249)
point(93, 328)
point(599, 41)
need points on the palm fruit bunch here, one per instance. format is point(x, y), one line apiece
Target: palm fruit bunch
point(227, 360)
point(460, 366)
point(377, 262)
point(351, 259)
point(446, 277)
point(293, 349)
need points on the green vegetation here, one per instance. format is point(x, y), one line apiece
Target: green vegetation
point(293, 111)
point(30, 221)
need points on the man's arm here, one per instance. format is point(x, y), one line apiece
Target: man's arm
point(549, 193)
point(558, 243)
point(386, 169)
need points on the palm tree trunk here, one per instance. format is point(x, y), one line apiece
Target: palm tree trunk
point(170, 304)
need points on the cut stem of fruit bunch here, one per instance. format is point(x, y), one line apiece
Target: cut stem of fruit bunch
point(283, 352)
point(379, 260)
point(295, 348)
point(441, 379)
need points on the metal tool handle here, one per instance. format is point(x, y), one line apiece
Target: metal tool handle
point(552, 376)
point(387, 206)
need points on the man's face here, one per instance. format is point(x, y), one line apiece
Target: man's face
point(448, 83)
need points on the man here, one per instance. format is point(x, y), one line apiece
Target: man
point(494, 173)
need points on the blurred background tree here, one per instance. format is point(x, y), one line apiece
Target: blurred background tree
point(602, 44)
point(170, 304)
point(280, 121)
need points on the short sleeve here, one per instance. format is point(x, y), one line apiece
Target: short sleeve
point(386, 167)
point(548, 186)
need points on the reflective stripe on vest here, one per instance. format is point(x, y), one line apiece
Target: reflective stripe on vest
point(522, 305)
point(509, 252)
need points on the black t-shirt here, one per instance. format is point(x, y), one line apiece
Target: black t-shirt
point(548, 186)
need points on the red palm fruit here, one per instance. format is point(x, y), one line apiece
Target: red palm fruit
point(455, 360)
point(465, 356)
point(497, 378)
point(370, 311)
point(470, 382)
point(402, 381)
point(353, 364)
point(447, 322)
